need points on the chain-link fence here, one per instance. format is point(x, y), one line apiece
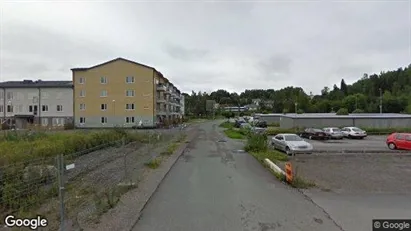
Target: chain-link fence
point(72, 191)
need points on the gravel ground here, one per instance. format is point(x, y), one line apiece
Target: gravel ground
point(357, 173)
point(97, 172)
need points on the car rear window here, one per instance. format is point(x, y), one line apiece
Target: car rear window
point(356, 129)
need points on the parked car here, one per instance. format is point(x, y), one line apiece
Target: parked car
point(238, 123)
point(334, 133)
point(291, 143)
point(399, 141)
point(261, 124)
point(354, 133)
point(314, 133)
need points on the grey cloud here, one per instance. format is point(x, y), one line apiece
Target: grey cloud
point(184, 54)
point(276, 65)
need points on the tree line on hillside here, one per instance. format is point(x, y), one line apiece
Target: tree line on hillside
point(392, 89)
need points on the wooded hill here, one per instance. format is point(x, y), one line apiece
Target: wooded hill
point(393, 87)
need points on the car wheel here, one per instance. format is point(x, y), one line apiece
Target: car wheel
point(288, 151)
point(392, 146)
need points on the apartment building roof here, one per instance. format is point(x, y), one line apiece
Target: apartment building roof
point(110, 61)
point(36, 84)
point(126, 60)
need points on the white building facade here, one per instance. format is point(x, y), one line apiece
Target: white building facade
point(46, 103)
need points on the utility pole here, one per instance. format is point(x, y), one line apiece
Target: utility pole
point(380, 101)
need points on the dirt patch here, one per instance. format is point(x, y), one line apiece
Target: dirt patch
point(356, 173)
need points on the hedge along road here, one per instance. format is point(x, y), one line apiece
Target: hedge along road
point(211, 187)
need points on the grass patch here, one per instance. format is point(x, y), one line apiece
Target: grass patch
point(273, 125)
point(301, 183)
point(226, 124)
point(234, 134)
point(154, 163)
point(272, 155)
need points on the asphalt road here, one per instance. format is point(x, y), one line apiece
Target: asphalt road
point(213, 188)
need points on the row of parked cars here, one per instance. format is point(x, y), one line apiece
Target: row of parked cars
point(334, 133)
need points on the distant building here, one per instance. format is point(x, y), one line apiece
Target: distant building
point(28, 102)
point(365, 120)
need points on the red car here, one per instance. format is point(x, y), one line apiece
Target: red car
point(399, 141)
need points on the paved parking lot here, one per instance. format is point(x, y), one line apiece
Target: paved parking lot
point(370, 144)
point(357, 173)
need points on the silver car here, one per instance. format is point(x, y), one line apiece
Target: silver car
point(291, 143)
point(354, 132)
point(334, 133)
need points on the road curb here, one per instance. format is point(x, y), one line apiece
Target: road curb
point(273, 166)
point(177, 154)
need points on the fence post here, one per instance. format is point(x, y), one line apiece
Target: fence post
point(60, 166)
point(123, 143)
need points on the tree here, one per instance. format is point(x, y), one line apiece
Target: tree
point(343, 87)
point(342, 111)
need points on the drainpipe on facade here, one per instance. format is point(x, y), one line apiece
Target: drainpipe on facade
point(4, 102)
point(39, 107)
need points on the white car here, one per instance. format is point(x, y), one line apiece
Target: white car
point(354, 132)
point(334, 133)
point(291, 143)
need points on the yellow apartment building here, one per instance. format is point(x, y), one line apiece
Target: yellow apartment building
point(122, 93)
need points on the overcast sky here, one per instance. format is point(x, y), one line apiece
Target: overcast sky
point(209, 45)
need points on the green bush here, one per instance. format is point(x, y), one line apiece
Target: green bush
point(274, 124)
point(300, 111)
point(358, 111)
point(342, 111)
point(385, 130)
point(256, 143)
point(226, 125)
point(234, 134)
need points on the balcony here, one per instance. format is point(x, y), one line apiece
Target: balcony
point(161, 87)
point(160, 100)
point(161, 112)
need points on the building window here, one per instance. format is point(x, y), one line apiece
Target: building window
point(130, 106)
point(9, 95)
point(103, 106)
point(45, 108)
point(82, 120)
point(103, 120)
point(59, 107)
point(82, 106)
point(103, 93)
point(129, 120)
point(130, 93)
point(1, 108)
point(103, 80)
point(9, 108)
point(81, 80)
point(146, 107)
point(31, 108)
point(44, 95)
point(44, 121)
point(130, 79)
point(58, 121)
point(82, 93)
